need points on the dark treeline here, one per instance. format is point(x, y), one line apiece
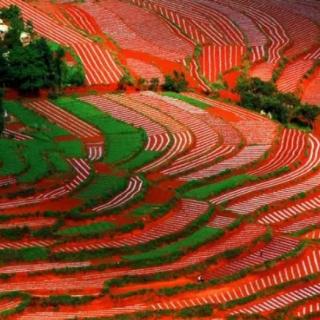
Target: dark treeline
point(29, 68)
point(259, 95)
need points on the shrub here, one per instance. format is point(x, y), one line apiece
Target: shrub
point(176, 82)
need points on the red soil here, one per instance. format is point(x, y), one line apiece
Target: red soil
point(228, 95)
point(231, 78)
point(152, 285)
point(225, 115)
point(60, 205)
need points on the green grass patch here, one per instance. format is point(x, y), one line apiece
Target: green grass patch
point(122, 147)
point(102, 186)
point(91, 114)
point(123, 141)
point(34, 121)
point(186, 99)
point(26, 254)
point(145, 209)
point(214, 189)
point(39, 157)
point(143, 158)
point(11, 162)
point(72, 148)
point(38, 167)
point(197, 238)
point(59, 163)
point(88, 230)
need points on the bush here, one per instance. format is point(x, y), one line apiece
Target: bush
point(260, 95)
point(154, 84)
point(176, 82)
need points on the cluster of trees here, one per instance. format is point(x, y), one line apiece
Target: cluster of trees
point(260, 95)
point(176, 82)
point(32, 67)
point(1, 112)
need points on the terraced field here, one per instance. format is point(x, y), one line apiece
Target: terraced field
point(162, 205)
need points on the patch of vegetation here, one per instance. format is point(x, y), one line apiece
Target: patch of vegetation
point(145, 209)
point(25, 301)
point(141, 159)
point(187, 99)
point(1, 108)
point(41, 127)
point(102, 187)
point(11, 161)
point(88, 230)
point(214, 189)
point(123, 141)
point(26, 254)
point(176, 82)
point(65, 300)
point(196, 312)
point(199, 237)
point(259, 95)
point(32, 66)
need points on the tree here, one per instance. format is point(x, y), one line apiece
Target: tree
point(29, 70)
point(1, 112)
point(13, 15)
point(4, 68)
point(125, 82)
point(176, 82)
point(154, 84)
point(142, 84)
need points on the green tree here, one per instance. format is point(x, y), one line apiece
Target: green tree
point(29, 71)
point(4, 68)
point(125, 81)
point(1, 112)
point(154, 84)
point(175, 82)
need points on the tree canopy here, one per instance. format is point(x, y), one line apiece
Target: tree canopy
point(285, 107)
point(35, 66)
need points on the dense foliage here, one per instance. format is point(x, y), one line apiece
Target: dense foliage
point(1, 112)
point(175, 82)
point(259, 95)
point(31, 67)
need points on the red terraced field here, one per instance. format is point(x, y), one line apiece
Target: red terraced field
point(181, 137)
point(28, 222)
point(311, 92)
point(280, 300)
point(214, 60)
point(276, 248)
point(36, 267)
point(262, 70)
point(259, 201)
point(82, 19)
point(99, 65)
point(134, 187)
point(307, 309)
point(293, 74)
point(185, 213)
point(138, 30)
point(82, 170)
point(145, 70)
point(300, 224)
point(292, 176)
point(292, 144)
point(315, 235)
point(290, 211)
point(158, 139)
point(91, 136)
point(246, 156)
point(206, 138)
point(148, 247)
